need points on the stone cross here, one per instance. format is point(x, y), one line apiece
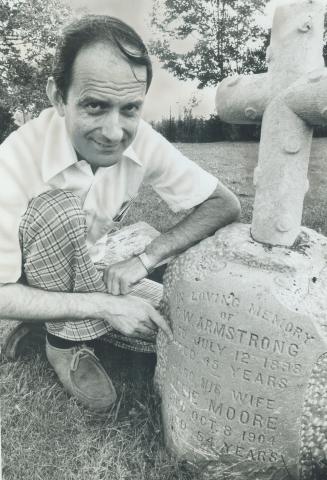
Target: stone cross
point(243, 383)
point(289, 100)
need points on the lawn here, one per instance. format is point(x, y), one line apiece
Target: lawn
point(233, 164)
point(47, 436)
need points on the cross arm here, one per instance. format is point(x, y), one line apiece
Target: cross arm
point(308, 97)
point(242, 99)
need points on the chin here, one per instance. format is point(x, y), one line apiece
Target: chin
point(106, 160)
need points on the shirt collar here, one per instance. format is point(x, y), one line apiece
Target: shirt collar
point(58, 151)
point(132, 155)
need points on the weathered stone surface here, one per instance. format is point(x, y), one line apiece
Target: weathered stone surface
point(244, 382)
point(289, 99)
point(250, 322)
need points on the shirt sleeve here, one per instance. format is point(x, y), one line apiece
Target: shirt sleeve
point(180, 182)
point(13, 204)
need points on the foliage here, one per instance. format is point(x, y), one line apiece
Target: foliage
point(189, 129)
point(6, 122)
point(224, 34)
point(28, 33)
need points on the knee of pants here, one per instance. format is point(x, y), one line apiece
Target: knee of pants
point(57, 199)
point(50, 211)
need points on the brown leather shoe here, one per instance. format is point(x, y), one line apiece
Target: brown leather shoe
point(16, 337)
point(83, 376)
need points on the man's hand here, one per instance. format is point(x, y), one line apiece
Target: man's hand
point(122, 276)
point(133, 316)
point(126, 313)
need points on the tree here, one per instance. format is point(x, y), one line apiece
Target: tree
point(223, 35)
point(28, 33)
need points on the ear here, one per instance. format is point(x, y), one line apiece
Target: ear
point(55, 97)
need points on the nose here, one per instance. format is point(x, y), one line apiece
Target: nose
point(111, 127)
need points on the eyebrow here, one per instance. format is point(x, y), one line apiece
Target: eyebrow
point(90, 99)
point(93, 99)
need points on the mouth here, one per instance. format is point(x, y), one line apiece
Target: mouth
point(107, 147)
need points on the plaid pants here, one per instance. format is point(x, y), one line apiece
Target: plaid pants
point(55, 258)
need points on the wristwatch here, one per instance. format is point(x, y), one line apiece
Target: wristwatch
point(143, 257)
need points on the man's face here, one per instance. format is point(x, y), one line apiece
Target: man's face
point(104, 104)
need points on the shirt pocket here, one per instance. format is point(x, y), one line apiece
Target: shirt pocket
point(124, 208)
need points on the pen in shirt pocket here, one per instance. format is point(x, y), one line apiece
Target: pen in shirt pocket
point(124, 209)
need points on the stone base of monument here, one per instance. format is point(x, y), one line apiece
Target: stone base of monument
point(243, 384)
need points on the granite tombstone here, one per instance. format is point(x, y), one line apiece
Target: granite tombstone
point(244, 382)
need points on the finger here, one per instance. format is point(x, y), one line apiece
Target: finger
point(145, 333)
point(109, 280)
point(161, 323)
point(113, 284)
point(150, 325)
point(105, 279)
point(124, 286)
point(109, 283)
point(145, 329)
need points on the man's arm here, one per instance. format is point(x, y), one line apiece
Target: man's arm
point(220, 209)
point(128, 314)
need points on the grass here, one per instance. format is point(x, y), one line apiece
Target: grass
point(47, 436)
point(233, 163)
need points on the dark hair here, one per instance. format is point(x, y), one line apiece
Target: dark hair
point(92, 29)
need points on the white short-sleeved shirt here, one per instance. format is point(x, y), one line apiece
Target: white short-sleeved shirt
point(39, 157)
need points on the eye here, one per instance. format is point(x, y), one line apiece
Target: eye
point(94, 107)
point(131, 108)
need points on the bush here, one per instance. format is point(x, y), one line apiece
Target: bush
point(6, 123)
point(190, 129)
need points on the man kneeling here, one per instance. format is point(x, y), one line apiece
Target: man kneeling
point(65, 176)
